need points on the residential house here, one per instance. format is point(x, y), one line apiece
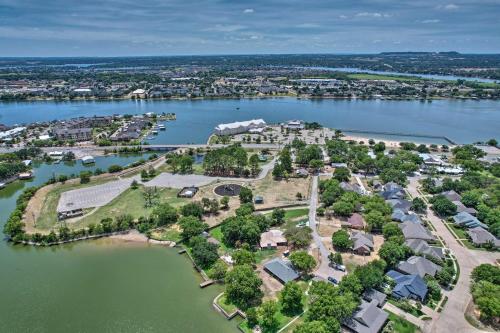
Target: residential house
point(418, 265)
point(373, 294)
point(281, 270)
point(355, 221)
point(462, 208)
point(272, 239)
point(421, 247)
point(351, 187)
point(368, 318)
point(362, 243)
point(480, 237)
point(466, 220)
point(401, 204)
point(451, 195)
point(416, 231)
point(408, 286)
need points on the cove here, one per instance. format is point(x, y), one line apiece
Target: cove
point(99, 286)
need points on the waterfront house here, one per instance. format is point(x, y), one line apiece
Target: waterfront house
point(281, 270)
point(88, 160)
point(408, 286)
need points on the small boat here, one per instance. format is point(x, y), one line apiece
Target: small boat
point(2, 185)
point(88, 160)
point(162, 127)
point(154, 132)
point(150, 138)
point(25, 175)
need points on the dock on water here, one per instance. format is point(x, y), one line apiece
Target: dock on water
point(206, 283)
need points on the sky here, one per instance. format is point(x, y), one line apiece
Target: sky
point(180, 27)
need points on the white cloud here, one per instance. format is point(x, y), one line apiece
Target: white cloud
point(226, 27)
point(430, 21)
point(450, 6)
point(343, 17)
point(249, 11)
point(376, 15)
point(308, 25)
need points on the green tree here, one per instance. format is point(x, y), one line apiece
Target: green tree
point(343, 208)
point(225, 202)
point(342, 174)
point(393, 253)
point(341, 240)
point(85, 177)
point(254, 164)
point(243, 257)
point(186, 164)
point(486, 272)
point(243, 287)
point(487, 298)
point(192, 209)
point(252, 317)
point(351, 283)
point(218, 271)
point(291, 299)
point(204, 253)
point(303, 261)
point(443, 206)
point(269, 316)
point(114, 168)
point(191, 226)
point(246, 195)
point(418, 205)
point(164, 214)
point(298, 238)
point(375, 220)
point(278, 216)
point(312, 327)
point(391, 230)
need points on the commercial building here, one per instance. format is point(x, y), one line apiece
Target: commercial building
point(239, 127)
point(77, 134)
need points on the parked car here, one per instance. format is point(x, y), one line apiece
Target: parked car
point(333, 280)
point(339, 267)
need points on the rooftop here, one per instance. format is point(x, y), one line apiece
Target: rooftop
point(281, 270)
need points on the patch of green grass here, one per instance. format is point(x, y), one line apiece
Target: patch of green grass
point(413, 311)
point(217, 234)
point(402, 325)
point(224, 304)
point(167, 234)
point(294, 213)
point(261, 255)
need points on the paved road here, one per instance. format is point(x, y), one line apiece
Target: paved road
point(324, 270)
point(452, 319)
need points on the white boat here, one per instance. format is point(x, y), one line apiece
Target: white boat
point(154, 132)
point(162, 127)
point(2, 185)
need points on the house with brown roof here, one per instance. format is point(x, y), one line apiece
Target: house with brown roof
point(272, 239)
point(355, 221)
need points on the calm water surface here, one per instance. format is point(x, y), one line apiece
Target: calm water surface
point(463, 121)
point(99, 286)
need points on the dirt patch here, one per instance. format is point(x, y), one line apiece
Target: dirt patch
point(352, 260)
point(281, 192)
point(34, 208)
point(327, 226)
point(131, 236)
point(270, 286)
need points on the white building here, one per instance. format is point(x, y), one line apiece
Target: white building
point(294, 125)
point(240, 127)
point(12, 133)
point(88, 160)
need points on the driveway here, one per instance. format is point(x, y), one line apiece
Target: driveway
point(452, 318)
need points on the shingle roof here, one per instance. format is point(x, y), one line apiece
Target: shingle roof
point(480, 236)
point(467, 220)
point(401, 204)
point(367, 319)
point(452, 195)
point(362, 240)
point(373, 294)
point(415, 231)
point(282, 270)
point(408, 285)
point(356, 220)
point(419, 266)
point(420, 246)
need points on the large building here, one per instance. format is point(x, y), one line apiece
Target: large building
point(77, 134)
point(240, 127)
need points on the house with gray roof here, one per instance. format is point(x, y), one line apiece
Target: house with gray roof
point(348, 187)
point(362, 243)
point(416, 231)
point(466, 220)
point(401, 204)
point(368, 318)
point(480, 237)
point(412, 218)
point(421, 247)
point(398, 215)
point(451, 195)
point(281, 270)
point(373, 294)
point(408, 286)
point(462, 208)
point(418, 265)
point(395, 194)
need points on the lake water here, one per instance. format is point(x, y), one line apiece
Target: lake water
point(424, 76)
point(99, 286)
point(463, 121)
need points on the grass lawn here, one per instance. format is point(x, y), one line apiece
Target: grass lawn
point(294, 213)
point(414, 311)
point(217, 234)
point(458, 231)
point(262, 255)
point(228, 307)
point(402, 325)
point(167, 234)
point(282, 321)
